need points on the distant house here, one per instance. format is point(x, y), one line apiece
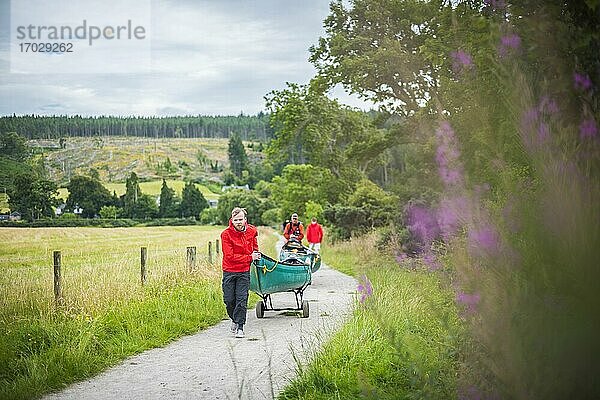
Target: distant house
point(229, 187)
point(77, 210)
point(4, 217)
point(213, 203)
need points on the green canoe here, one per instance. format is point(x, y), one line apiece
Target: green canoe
point(270, 276)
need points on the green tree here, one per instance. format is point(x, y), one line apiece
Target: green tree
point(242, 198)
point(89, 194)
point(34, 198)
point(238, 159)
point(192, 201)
point(13, 146)
point(168, 207)
point(108, 212)
point(132, 196)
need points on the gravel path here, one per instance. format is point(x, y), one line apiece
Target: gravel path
point(212, 364)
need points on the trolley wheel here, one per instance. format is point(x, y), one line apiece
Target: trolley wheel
point(260, 309)
point(305, 309)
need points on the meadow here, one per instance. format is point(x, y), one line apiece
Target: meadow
point(106, 314)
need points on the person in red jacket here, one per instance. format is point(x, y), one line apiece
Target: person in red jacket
point(294, 229)
point(240, 247)
point(314, 235)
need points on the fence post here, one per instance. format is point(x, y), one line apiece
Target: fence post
point(143, 259)
point(210, 256)
point(57, 278)
point(191, 258)
point(217, 247)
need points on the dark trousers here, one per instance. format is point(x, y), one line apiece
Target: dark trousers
point(235, 295)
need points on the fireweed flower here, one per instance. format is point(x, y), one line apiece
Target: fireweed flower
point(401, 257)
point(509, 43)
point(447, 156)
point(461, 61)
point(588, 129)
point(468, 301)
point(548, 106)
point(430, 260)
point(422, 224)
point(484, 240)
point(452, 213)
point(581, 81)
point(365, 288)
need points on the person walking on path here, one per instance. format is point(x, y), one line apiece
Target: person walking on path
point(314, 235)
point(294, 229)
point(240, 247)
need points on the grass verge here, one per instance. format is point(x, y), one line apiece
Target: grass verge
point(106, 315)
point(401, 343)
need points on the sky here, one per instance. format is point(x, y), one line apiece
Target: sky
point(206, 57)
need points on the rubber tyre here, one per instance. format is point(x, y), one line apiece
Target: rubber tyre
point(260, 309)
point(305, 309)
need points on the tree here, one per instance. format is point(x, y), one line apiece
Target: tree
point(238, 160)
point(108, 212)
point(89, 194)
point(192, 201)
point(168, 207)
point(242, 198)
point(34, 198)
point(13, 146)
point(131, 197)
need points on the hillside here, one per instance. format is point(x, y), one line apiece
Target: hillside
point(151, 159)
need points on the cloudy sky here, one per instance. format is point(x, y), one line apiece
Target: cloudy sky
point(207, 57)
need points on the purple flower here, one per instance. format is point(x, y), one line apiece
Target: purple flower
point(365, 288)
point(581, 81)
point(548, 106)
point(461, 60)
point(588, 128)
point(451, 214)
point(422, 224)
point(484, 240)
point(431, 262)
point(509, 43)
point(468, 301)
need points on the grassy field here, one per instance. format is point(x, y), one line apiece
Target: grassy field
point(401, 343)
point(106, 314)
point(151, 188)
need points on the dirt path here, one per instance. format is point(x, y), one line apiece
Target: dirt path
point(213, 365)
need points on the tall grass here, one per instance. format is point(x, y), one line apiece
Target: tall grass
point(106, 315)
point(401, 342)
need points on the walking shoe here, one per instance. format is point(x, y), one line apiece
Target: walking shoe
point(239, 334)
point(233, 328)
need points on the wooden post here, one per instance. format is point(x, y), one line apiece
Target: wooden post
point(217, 247)
point(57, 278)
point(210, 258)
point(143, 259)
point(191, 258)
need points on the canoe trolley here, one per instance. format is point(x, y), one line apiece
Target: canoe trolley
point(291, 273)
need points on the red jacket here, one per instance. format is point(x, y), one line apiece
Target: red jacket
point(238, 247)
point(314, 233)
point(294, 229)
